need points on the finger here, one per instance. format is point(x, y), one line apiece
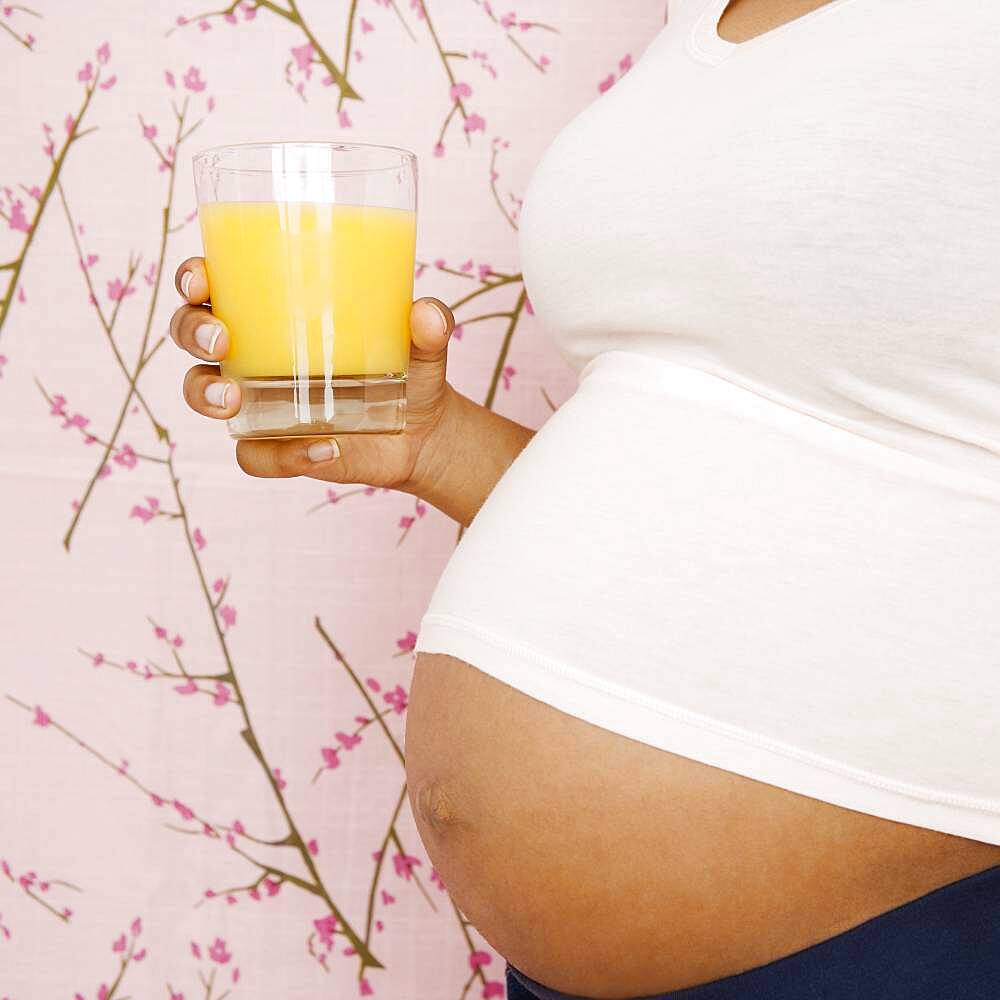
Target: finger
point(206, 392)
point(431, 326)
point(191, 280)
point(198, 332)
point(276, 459)
point(350, 458)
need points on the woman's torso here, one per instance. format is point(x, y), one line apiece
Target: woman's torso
point(606, 867)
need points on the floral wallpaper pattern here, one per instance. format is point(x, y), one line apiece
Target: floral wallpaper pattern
point(203, 677)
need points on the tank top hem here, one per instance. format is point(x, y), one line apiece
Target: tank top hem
point(670, 727)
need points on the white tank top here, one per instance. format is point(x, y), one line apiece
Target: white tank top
point(764, 531)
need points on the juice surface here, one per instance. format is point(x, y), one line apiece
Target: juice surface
point(310, 288)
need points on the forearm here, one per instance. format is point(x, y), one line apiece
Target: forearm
point(469, 451)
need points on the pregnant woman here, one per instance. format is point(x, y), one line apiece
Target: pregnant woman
point(706, 702)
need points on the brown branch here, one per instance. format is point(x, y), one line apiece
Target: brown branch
point(57, 166)
point(143, 358)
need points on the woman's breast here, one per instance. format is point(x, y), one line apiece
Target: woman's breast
point(604, 867)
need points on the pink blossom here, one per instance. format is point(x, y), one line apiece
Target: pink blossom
point(479, 958)
point(625, 63)
point(331, 496)
point(408, 641)
point(198, 538)
point(606, 83)
point(104, 53)
point(228, 614)
point(217, 952)
point(193, 80)
point(528, 307)
point(365, 987)
point(347, 740)
point(169, 77)
point(142, 513)
point(98, 659)
point(467, 266)
point(183, 810)
point(460, 90)
point(41, 718)
point(475, 123)
point(139, 955)
point(249, 12)
point(506, 375)
point(230, 18)
point(439, 149)
point(387, 898)
point(126, 456)
point(159, 631)
point(396, 698)
point(458, 331)
point(373, 684)
point(508, 20)
point(157, 801)
point(303, 56)
point(86, 74)
point(484, 271)
point(366, 26)
point(190, 687)
point(36, 192)
point(405, 521)
point(404, 863)
point(420, 507)
point(218, 584)
point(344, 119)
point(119, 944)
point(102, 992)
point(195, 950)
point(222, 694)
point(313, 847)
point(272, 886)
point(205, 25)
point(211, 104)
point(149, 131)
point(18, 220)
point(325, 928)
point(117, 290)
point(107, 85)
point(330, 758)
point(279, 780)
point(543, 60)
point(69, 124)
point(136, 927)
point(494, 988)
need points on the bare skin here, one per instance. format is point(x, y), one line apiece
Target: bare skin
point(599, 866)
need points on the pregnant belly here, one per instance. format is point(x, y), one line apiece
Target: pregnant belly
point(608, 868)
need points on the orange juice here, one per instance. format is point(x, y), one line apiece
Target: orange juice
point(311, 289)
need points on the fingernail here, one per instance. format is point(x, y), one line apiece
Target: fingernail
point(186, 283)
point(207, 335)
point(216, 392)
point(323, 451)
point(440, 312)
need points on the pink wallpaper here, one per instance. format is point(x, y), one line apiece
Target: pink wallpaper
point(203, 679)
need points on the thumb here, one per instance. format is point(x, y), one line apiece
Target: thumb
point(431, 326)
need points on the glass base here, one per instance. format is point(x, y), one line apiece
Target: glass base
point(344, 404)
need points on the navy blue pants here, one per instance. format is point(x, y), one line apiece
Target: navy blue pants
point(944, 945)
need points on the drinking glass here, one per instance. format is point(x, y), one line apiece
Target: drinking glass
point(310, 251)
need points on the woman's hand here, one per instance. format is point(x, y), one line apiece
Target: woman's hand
point(392, 460)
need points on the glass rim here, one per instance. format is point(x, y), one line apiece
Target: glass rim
point(314, 143)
